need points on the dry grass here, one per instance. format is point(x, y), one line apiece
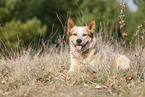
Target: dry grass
point(32, 73)
point(43, 72)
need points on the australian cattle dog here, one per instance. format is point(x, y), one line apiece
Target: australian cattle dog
point(84, 50)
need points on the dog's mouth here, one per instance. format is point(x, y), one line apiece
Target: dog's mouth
point(79, 47)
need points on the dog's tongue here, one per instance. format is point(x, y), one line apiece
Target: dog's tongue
point(79, 47)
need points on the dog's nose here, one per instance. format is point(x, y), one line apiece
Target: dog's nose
point(79, 40)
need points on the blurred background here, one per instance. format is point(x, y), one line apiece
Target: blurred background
point(29, 21)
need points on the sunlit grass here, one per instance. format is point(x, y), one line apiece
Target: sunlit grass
point(44, 73)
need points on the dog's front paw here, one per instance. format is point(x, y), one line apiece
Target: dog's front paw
point(70, 71)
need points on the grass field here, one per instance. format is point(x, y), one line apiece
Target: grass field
point(43, 72)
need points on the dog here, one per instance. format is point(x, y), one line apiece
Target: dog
point(84, 50)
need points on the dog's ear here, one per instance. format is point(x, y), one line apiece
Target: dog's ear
point(70, 24)
point(91, 26)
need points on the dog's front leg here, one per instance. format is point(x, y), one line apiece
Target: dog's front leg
point(75, 65)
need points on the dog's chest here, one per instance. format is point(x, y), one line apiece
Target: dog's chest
point(84, 57)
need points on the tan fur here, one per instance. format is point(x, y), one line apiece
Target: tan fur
point(86, 51)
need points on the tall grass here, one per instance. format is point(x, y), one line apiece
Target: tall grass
point(43, 72)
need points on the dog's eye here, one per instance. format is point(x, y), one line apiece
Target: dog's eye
point(74, 34)
point(85, 34)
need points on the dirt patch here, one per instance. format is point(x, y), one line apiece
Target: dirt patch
point(81, 92)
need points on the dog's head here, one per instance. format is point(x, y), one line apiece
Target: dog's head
point(81, 37)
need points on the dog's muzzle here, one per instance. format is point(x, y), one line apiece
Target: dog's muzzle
point(79, 47)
